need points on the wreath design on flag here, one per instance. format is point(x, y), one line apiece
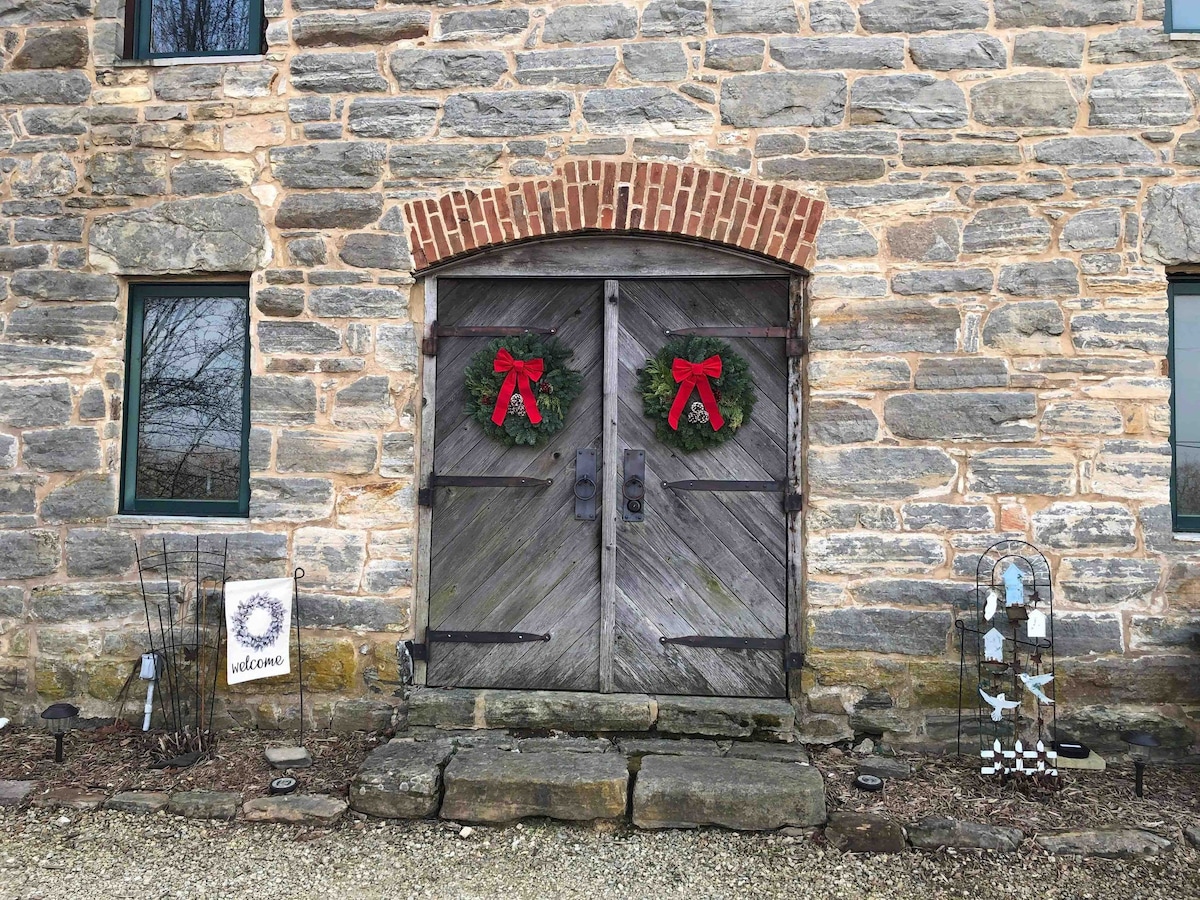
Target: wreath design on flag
point(241, 621)
point(697, 391)
point(519, 389)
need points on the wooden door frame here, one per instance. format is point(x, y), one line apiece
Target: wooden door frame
point(611, 260)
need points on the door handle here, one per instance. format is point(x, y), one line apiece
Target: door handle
point(633, 488)
point(585, 485)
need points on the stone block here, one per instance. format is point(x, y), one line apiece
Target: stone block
point(637, 747)
point(298, 337)
point(444, 160)
point(203, 176)
point(854, 832)
point(725, 717)
point(879, 472)
point(53, 88)
point(95, 552)
point(138, 801)
point(1171, 223)
point(290, 499)
point(824, 169)
point(1028, 100)
point(962, 416)
point(663, 18)
point(362, 714)
point(1106, 843)
point(907, 101)
point(54, 285)
point(907, 632)
point(737, 54)
point(357, 303)
point(1019, 470)
point(844, 238)
point(502, 786)
point(914, 16)
point(282, 400)
point(1029, 328)
point(210, 234)
point(316, 452)
point(1062, 13)
point(32, 404)
point(1082, 417)
point(885, 326)
point(71, 449)
point(506, 113)
point(838, 53)
point(337, 73)
point(84, 499)
point(288, 757)
point(782, 99)
point(1075, 526)
point(655, 61)
point(482, 24)
point(1092, 229)
point(295, 809)
point(743, 794)
point(445, 708)
point(1100, 582)
point(961, 372)
point(959, 154)
point(350, 29)
point(337, 209)
point(566, 711)
point(435, 70)
point(1144, 96)
point(332, 558)
point(862, 553)
point(840, 422)
point(934, 834)
point(14, 793)
point(205, 804)
point(948, 517)
point(394, 118)
point(52, 48)
point(1135, 469)
point(938, 239)
point(1092, 151)
point(334, 164)
point(659, 109)
point(1006, 229)
point(966, 50)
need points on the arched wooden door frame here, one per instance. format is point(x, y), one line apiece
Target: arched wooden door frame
point(611, 258)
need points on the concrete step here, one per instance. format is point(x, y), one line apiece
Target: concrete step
point(577, 711)
point(502, 786)
point(744, 794)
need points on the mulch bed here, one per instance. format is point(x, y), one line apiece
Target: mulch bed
point(951, 787)
point(118, 757)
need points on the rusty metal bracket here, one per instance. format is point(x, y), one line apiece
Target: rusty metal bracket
point(429, 344)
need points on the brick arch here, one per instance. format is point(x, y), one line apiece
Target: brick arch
point(585, 196)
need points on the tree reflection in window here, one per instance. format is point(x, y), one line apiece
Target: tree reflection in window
point(190, 411)
point(1185, 377)
point(200, 26)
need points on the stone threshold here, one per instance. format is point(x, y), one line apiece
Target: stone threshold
point(580, 712)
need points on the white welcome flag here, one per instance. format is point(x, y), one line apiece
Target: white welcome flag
point(258, 618)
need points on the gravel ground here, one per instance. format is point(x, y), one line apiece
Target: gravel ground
point(102, 855)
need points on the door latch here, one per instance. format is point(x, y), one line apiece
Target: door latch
point(633, 488)
point(585, 485)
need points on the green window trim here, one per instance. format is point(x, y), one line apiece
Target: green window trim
point(1179, 287)
point(138, 32)
point(130, 503)
point(1169, 26)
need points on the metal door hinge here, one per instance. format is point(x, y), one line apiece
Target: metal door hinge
point(429, 344)
point(725, 643)
point(425, 497)
point(793, 501)
point(793, 662)
point(485, 637)
point(794, 347)
point(417, 652)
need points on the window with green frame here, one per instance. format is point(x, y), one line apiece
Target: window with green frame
point(162, 29)
point(187, 400)
point(1185, 403)
point(1182, 16)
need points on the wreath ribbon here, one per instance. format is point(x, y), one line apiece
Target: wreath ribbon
point(520, 373)
point(694, 376)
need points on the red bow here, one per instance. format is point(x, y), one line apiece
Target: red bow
point(520, 373)
point(695, 375)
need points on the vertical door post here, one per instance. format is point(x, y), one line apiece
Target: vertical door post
point(610, 471)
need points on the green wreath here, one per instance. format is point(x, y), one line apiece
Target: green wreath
point(553, 391)
point(732, 390)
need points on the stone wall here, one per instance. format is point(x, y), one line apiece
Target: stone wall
point(1006, 184)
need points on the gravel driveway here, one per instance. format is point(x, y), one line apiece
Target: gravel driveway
point(100, 855)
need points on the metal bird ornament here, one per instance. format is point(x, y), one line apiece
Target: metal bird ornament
point(998, 704)
point(989, 609)
point(1034, 684)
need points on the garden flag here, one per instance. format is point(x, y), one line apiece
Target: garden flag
point(258, 618)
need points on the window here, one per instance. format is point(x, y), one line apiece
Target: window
point(187, 400)
point(1185, 403)
point(156, 29)
point(1182, 16)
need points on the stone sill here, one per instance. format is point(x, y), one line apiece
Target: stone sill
point(152, 520)
point(191, 60)
point(1184, 36)
point(1190, 537)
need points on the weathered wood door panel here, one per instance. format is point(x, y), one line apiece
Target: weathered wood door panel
point(515, 559)
point(709, 564)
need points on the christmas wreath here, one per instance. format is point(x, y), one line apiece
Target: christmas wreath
point(265, 637)
point(697, 391)
point(520, 388)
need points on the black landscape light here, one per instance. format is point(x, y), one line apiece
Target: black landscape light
point(60, 718)
point(1141, 744)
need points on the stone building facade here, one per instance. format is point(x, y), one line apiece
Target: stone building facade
point(1001, 189)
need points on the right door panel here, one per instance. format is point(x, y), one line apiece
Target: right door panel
point(708, 564)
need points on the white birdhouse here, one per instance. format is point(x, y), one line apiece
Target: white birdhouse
point(1035, 627)
point(993, 646)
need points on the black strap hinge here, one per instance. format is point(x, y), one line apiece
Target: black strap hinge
point(793, 662)
point(425, 497)
point(484, 637)
point(429, 344)
point(793, 501)
point(726, 643)
point(417, 652)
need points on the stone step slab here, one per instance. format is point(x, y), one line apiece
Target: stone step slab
point(400, 780)
point(553, 710)
point(72, 798)
point(205, 804)
point(885, 767)
point(790, 753)
point(932, 833)
point(13, 793)
point(743, 794)
point(138, 801)
point(500, 786)
point(854, 832)
point(295, 809)
point(762, 720)
point(1109, 843)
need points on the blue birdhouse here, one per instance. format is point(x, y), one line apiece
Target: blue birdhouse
point(1014, 587)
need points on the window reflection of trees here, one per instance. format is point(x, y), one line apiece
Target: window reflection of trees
point(1187, 483)
point(190, 405)
point(200, 26)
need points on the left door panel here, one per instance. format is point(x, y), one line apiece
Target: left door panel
point(515, 559)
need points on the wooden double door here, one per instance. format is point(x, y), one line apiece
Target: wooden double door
point(674, 579)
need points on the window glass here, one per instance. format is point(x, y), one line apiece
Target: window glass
point(1185, 15)
point(189, 409)
point(198, 27)
point(1185, 377)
